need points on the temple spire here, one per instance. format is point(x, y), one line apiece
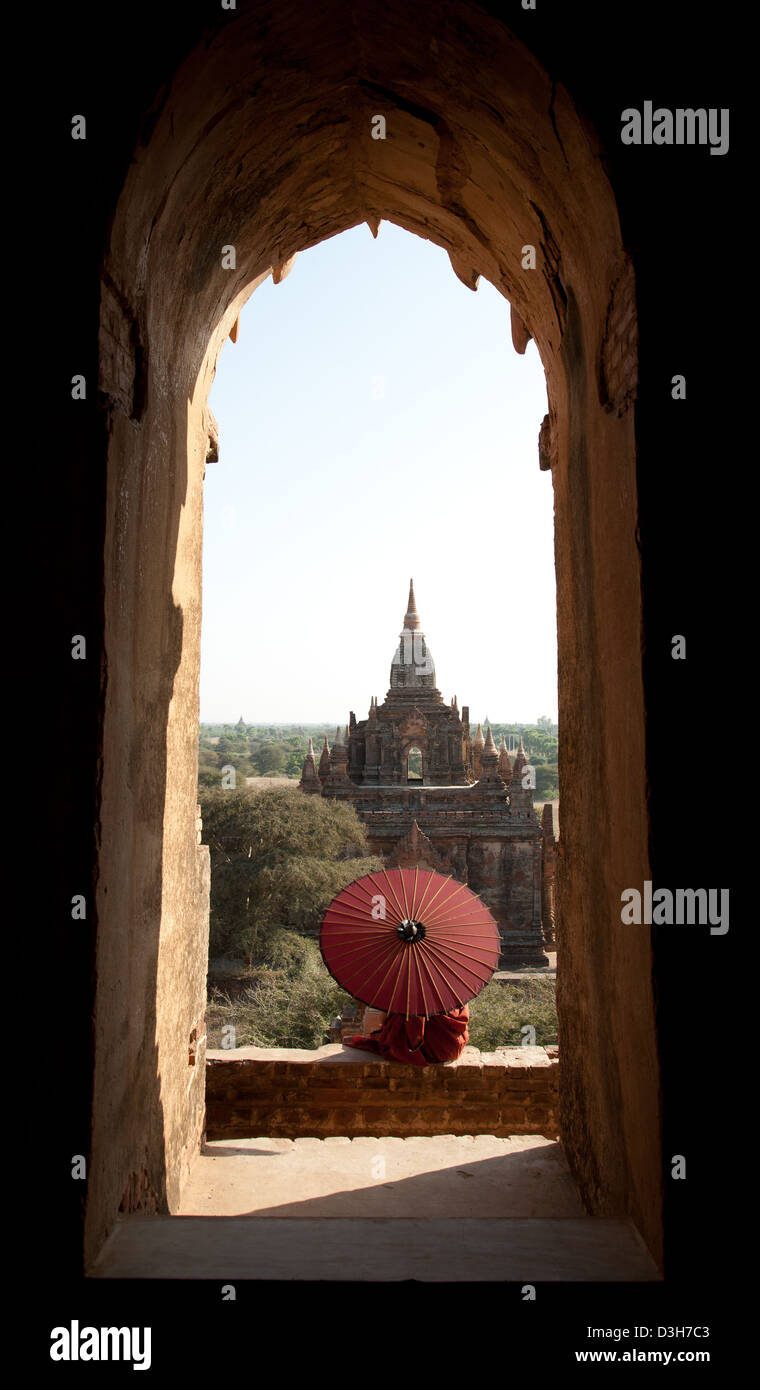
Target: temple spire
point(412, 669)
point(477, 749)
point(505, 766)
point(337, 782)
point(310, 780)
point(490, 773)
point(324, 761)
point(412, 618)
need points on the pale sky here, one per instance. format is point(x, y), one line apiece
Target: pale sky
point(376, 424)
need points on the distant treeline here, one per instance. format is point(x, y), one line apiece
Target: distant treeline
point(278, 750)
point(267, 731)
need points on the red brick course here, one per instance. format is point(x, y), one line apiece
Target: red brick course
point(290, 1094)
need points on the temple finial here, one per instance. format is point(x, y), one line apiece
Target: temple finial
point(412, 617)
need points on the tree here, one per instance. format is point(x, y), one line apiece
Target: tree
point(289, 1001)
point(277, 858)
point(231, 750)
point(209, 774)
point(271, 757)
point(546, 780)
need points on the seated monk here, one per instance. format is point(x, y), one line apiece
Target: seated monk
point(418, 1040)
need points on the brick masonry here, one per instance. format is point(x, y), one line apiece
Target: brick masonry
point(291, 1093)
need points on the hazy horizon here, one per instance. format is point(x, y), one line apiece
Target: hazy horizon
point(326, 723)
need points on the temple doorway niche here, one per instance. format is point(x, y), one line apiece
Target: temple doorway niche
point(414, 765)
point(215, 173)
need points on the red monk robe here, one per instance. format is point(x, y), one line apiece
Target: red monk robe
point(418, 1040)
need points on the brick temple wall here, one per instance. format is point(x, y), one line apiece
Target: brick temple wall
point(290, 1093)
point(493, 848)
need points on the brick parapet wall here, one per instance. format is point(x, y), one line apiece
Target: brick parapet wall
point(291, 1093)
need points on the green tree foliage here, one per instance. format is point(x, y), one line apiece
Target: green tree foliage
point(271, 757)
point(209, 774)
point(211, 761)
point(290, 1001)
point(540, 743)
point(277, 859)
point(539, 740)
point(546, 781)
point(499, 1012)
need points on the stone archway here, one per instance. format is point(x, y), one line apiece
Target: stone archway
point(265, 144)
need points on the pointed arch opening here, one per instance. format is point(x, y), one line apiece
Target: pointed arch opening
point(414, 765)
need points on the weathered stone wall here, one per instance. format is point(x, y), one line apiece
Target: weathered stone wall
point(153, 890)
point(287, 1093)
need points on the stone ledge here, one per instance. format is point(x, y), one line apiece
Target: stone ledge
point(340, 1091)
point(376, 1249)
point(513, 1059)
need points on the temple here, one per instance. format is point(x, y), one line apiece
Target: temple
point(432, 795)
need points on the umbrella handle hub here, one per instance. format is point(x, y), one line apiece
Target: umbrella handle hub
point(411, 931)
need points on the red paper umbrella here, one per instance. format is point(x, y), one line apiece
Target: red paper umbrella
point(409, 941)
